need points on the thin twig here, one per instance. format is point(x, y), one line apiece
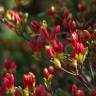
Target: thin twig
point(92, 74)
point(68, 72)
point(82, 80)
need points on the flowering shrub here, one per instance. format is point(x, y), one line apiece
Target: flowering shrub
point(63, 41)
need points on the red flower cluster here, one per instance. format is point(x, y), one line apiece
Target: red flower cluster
point(9, 66)
point(6, 83)
point(76, 91)
point(40, 91)
point(12, 15)
point(79, 48)
point(57, 47)
point(48, 73)
point(29, 80)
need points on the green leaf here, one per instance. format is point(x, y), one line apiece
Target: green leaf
point(20, 89)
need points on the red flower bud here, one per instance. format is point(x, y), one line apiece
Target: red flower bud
point(46, 73)
point(55, 31)
point(51, 11)
point(35, 26)
point(74, 54)
point(8, 81)
point(72, 25)
point(81, 6)
point(58, 46)
point(50, 51)
point(29, 80)
point(36, 46)
point(80, 93)
point(74, 89)
point(39, 44)
point(55, 45)
point(16, 93)
point(9, 66)
point(61, 47)
point(87, 34)
point(65, 13)
point(51, 69)
point(40, 91)
point(74, 38)
point(9, 25)
point(12, 15)
point(45, 34)
point(79, 47)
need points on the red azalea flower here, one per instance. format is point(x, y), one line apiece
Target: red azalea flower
point(10, 66)
point(55, 31)
point(74, 38)
point(36, 46)
point(87, 34)
point(58, 46)
point(14, 17)
point(51, 69)
point(40, 91)
point(74, 54)
point(72, 25)
point(45, 34)
point(50, 51)
point(51, 11)
point(8, 24)
point(16, 93)
point(35, 26)
point(79, 47)
point(8, 81)
point(80, 93)
point(46, 73)
point(74, 89)
point(29, 80)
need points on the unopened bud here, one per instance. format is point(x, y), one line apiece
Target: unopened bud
point(56, 62)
